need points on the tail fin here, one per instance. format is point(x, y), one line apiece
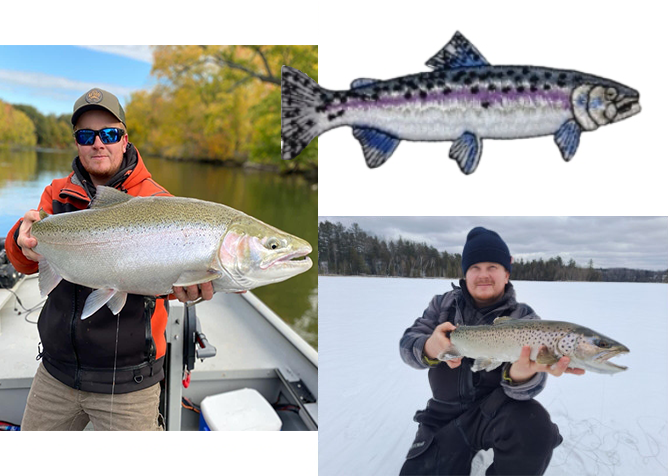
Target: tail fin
point(300, 98)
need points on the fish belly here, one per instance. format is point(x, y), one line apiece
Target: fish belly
point(444, 120)
point(147, 262)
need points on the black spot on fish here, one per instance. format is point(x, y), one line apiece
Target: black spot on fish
point(423, 94)
point(447, 91)
point(547, 74)
point(468, 81)
point(485, 104)
point(525, 70)
point(340, 113)
point(323, 96)
point(561, 83)
point(430, 85)
point(491, 87)
point(458, 76)
point(311, 123)
point(533, 78)
point(412, 84)
point(547, 87)
point(374, 97)
point(562, 75)
point(344, 100)
point(499, 74)
point(510, 72)
point(475, 90)
point(533, 88)
point(407, 95)
point(520, 89)
point(506, 89)
point(397, 87)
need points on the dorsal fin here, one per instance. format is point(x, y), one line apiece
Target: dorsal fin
point(42, 214)
point(458, 53)
point(361, 82)
point(108, 197)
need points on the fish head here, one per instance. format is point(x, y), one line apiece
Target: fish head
point(253, 253)
point(599, 101)
point(594, 350)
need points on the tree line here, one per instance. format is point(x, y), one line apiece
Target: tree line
point(23, 125)
point(352, 251)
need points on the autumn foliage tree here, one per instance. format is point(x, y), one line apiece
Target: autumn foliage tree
point(219, 103)
point(16, 128)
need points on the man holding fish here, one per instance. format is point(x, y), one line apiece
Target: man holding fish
point(65, 396)
point(473, 410)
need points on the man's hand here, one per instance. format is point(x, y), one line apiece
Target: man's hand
point(525, 368)
point(196, 291)
point(438, 343)
point(25, 239)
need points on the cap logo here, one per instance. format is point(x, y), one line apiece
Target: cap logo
point(94, 96)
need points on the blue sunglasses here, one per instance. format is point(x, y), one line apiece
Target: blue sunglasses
point(108, 135)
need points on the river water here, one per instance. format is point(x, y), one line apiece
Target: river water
point(290, 204)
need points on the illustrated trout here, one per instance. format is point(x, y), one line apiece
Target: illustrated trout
point(501, 342)
point(464, 99)
point(147, 245)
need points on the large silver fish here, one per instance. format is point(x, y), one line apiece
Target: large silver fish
point(501, 342)
point(464, 99)
point(147, 245)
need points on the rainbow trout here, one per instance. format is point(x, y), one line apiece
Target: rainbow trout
point(501, 342)
point(464, 99)
point(147, 245)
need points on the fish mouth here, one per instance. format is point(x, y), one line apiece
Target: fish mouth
point(297, 259)
point(603, 360)
point(624, 108)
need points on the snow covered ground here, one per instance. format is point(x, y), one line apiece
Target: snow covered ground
point(611, 424)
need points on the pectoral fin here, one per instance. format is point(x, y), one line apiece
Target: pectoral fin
point(467, 151)
point(568, 139)
point(546, 357)
point(48, 278)
point(376, 145)
point(188, 278)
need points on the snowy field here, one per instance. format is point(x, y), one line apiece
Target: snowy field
point(611, 424)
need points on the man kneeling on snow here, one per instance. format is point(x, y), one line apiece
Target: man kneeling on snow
point(469, 410)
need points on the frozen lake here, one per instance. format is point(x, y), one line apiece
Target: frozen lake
point(611, 424)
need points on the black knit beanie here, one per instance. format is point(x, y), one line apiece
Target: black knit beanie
point(485, 245)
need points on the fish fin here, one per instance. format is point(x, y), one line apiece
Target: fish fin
point(568, 138)
point(109, 197)
point(117, 302)
point(449, 355)
point(96, 300)
point(48, 278)
point(361, 82)
point(467, 151)
point(376, 145)
point(485, 364)
point(501, 320)
point(300, 99)
point(546, 357)
point(42, 214)
point(458, 53)
point(188, 278)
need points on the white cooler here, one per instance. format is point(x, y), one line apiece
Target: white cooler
point(239, 410)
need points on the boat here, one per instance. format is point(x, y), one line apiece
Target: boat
point(227, 344)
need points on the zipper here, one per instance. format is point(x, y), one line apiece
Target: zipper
point(77, 373)
point(149, 309)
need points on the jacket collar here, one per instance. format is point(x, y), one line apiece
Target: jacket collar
point(83, 179)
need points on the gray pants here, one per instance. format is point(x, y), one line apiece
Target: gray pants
point(53, 405)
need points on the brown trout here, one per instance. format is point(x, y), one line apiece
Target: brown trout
point(501, 342)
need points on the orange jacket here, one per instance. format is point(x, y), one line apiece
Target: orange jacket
point(78, 352)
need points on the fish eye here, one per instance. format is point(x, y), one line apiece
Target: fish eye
point(601, 343)
point(610, 93)
point(273, 243)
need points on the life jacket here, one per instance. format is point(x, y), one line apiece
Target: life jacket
point(86, 354)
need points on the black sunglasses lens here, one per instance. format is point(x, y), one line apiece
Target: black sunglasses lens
point(110, 135)
point(85, 137)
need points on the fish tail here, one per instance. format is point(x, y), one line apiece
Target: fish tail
point(300, 100)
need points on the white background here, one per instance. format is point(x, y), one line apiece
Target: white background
point(618, 169)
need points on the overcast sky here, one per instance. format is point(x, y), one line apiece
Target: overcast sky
point(625, 242)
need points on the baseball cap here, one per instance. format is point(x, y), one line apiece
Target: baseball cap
point(98, 98)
